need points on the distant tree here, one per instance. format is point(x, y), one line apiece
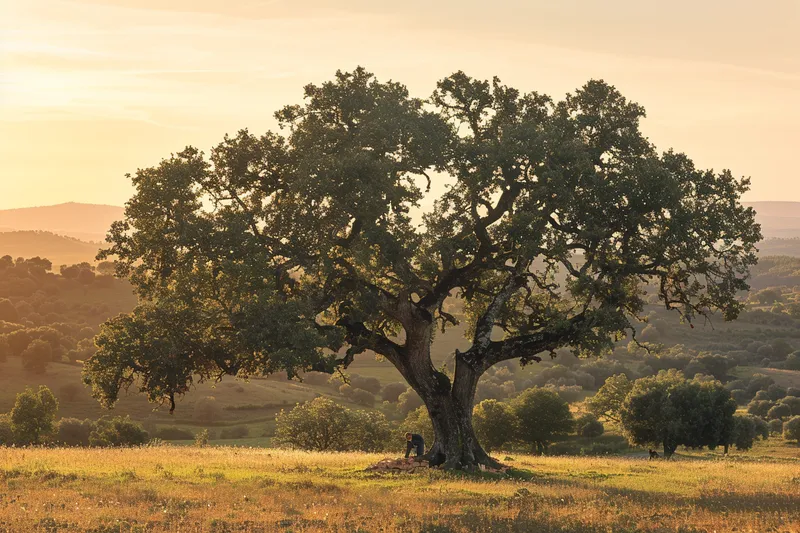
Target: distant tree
point(791, 429)
point(667, 409)
point(543, 417)
point(36, 356)
point(73, 432)
point(715, 365)
point(767, 296)
point(369, 384)
point(5, 348)
point(607, 403)
point(649, 334)
point(391, 391)
point(775, 427)
point(776, 392)
point(495, 424)
point(18, 341)
point(33, 415)
point(779, 411)
point(8, 312)
point(793, 402)
point(319, 424)
point(780, 349)
point(760, 407)
point(409, 401)
point(588, 426)
point(299, 252)
point(744, 434)
point(6, 430)
point(74, 271)
point(792, 361)
point(106, 268)
point(362, 397)
point(110, 432)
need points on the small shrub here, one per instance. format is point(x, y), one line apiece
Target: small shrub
point(117, 431)
point(202, 438)
point(74, 432)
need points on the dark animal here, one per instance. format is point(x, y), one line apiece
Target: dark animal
point(654, 454)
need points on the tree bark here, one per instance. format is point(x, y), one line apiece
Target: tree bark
point(449, 404)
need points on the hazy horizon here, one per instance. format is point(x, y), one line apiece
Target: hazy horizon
point(93, 89)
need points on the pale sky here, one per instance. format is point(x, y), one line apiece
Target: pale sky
point(92, 89)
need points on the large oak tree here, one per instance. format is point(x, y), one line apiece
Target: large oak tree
point(354, 228)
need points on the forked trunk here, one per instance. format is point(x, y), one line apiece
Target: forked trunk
point(449, 406)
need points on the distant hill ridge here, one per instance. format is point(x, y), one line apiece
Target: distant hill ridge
point(88, 222)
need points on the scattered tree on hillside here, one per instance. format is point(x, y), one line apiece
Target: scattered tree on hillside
point(323, 425)
point(543, 416)
point(8, 312)
point(33, 415)
point(607, 403)
point(668, 410)
point(495, 424)
point(588, 426)
point(298, 252)
point(37, 355)
point(791, 429)
point(113, 432)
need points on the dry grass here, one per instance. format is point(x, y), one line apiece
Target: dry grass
point(227, 489)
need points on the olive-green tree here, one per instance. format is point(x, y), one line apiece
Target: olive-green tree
point(295, 251)
point(667, 409)
point(542, 416)
point(33, 415)
point(495, 424)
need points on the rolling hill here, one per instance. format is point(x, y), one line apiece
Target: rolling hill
point(778, 219)
point(59, 249)
point(87, 222)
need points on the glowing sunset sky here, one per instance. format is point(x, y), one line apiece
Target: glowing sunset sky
point(92, 89)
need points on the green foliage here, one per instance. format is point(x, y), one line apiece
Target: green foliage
point(408, 401)
point(202, 438)
point(73, 432)
point(117, 432)
point(8, 312)
point(588, 426)
point(779, 411)
point(791, 429)
point(543, 417)
point(37, 355)
point(391, 392)
point(495, 424)
point(667, 409)
point(608, 401)
point(419, 421)
point(33, 415)
point(6, 431)
point(323, 425)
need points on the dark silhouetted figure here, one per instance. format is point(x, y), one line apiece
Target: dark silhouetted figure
point(414, 441)
point(654, 454)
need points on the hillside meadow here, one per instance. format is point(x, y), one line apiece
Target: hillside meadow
point(222, 489)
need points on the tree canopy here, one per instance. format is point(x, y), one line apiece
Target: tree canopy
point(351, 229)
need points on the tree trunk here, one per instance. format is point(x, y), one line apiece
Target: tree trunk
point(449, 405)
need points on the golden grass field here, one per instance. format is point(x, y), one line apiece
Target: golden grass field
point(218, 489)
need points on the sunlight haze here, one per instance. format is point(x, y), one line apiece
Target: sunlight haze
point(93, 89)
